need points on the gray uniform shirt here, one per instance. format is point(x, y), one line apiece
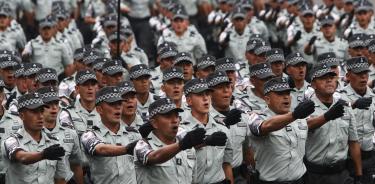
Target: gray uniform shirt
point(42, 172)
point(174, 171)
point(110, 170)
point(364, 118)
point(328, 144)
point(210, 159)
point(279, 155)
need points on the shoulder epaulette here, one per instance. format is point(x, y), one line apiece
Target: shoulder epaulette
point(51, 137)
point(16, 135)
point(156, 97)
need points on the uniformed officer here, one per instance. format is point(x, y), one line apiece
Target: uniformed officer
point(31, 154)
point(82, 115)
point(30, 71)
point(357, 45)
point(97, 66)
point(113, 72)
point(223, 113)
point(46, 77)
point(276, 59)
point(109, 146)
point(67, 137)
point(363, 23)
point(129, 116)
point(165, 60)
point(173, 86)
point(251, 57)
point(20, 89)
point(278, 136)
point(331, 135)
point(11, 38)
point(7, 65)
point(116, 43)
point(205, 66)
point(260, 49)
point(49, 52)
point(213, 164)
point(296, 68)
point(330, 59)
point(187, 40)
point(371, 58)
point(328, 41)
point(140, 76)
point(163, 157)
point(130, 49)
point(256, 25)
point(361, 97)
point(8, 124)
point(300, 33)
point(184, 60)
point(259, 74)
point(238, 35)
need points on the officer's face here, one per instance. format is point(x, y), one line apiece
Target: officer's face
point(31, 83)
point(32, 119)
point(99, 76)
point(224, 6)
point(292, 8)
point(47, 33)
point(8, 76)
point(277, 68)
point(348, 7)
point(200, 102)
point(2, 95)
point(279, 102)
point(113, 80)
point(60, 24)
point(187, 68)
point(79, 65)
point(166, 63)
point(261, 58)
point(363, 17)
point(339, 3)
point(329, 31)
point(142, 84)
point(371, 58)
point(251, 58)
point(50, 112)
point(50, 83)
point(297, 72)
point(173, 88)
point(239, 24)
point(109, 29)
point(357, 51)
point(221, 96)
point(358, 81)
point(113, 46)
point(129, 106)
point(328, 2)
point(4, 22)
point(110, 112)
point(203, 73)
point(325, 85)
point(232, 77)
point(87, 90)
point(180, 25)
point(166, 125)
point(21, 84)
point(308, 21)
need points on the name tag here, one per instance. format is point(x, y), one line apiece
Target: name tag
point(241, 124)
point(16, 127)
point(288, 128)
point(68, 140)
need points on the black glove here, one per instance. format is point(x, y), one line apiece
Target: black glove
point(336, 111)
point(192, 138)
point(216, 139)
point(303, 109)
point(312, 40)
point(53, 152)
point(130, 147)
point(145, 129)
point(362, 103)
point(291, 82)
point(233, 117)
point(297, 36)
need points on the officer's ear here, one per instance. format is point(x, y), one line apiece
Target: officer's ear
point(153, 123)
point(22, 115)
point(313, 85)
point(77, 88)
point(162, 87)
point(267, 99)
point(252, 80)
point(287, 69)
point(99, 109)
point(348, 75)
point(189, 101)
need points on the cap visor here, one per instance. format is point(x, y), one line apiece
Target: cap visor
point(113, 72)
point(34, 106)
point(180, 16)
point(42, 80)
point(201, 90)
point(265, 75)
point(170, 110)
point(112, 100)
point(81, 82)
point(149, 75)
point(331, 73)
point(51, 99)
point(170, 78)
point(360, 70)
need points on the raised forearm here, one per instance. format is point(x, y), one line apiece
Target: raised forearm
point(164, 154)
point(108, 150)
point(316, 122)
point(27, 158)
point(276, 123)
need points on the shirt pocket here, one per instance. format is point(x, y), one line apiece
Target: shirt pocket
point(343, 129)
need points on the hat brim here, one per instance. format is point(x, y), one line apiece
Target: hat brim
point(282, 90)
point(149, 75)
point(43, 80)
point(238, 15)
point(113, 100)
point(83, 81)
point(222, 82)
point(265, 75)
point(110, 23)
point(201, 90)
point(127, 92)
point(185, 17)
point(113, 72)
point(51, 99)
point(34, 106)
point(297, 62)
point(324, 23)
point(171, 110)
point(331, 73)
point(202, 67)
point(308, 12)
point(227, 69)
point(170, 78)
point(360, 70)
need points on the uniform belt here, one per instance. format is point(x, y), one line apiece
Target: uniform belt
point(299, 181)
point(325, 169)
point(367, 154)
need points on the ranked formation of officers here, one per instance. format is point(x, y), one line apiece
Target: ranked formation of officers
point(274, 93)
